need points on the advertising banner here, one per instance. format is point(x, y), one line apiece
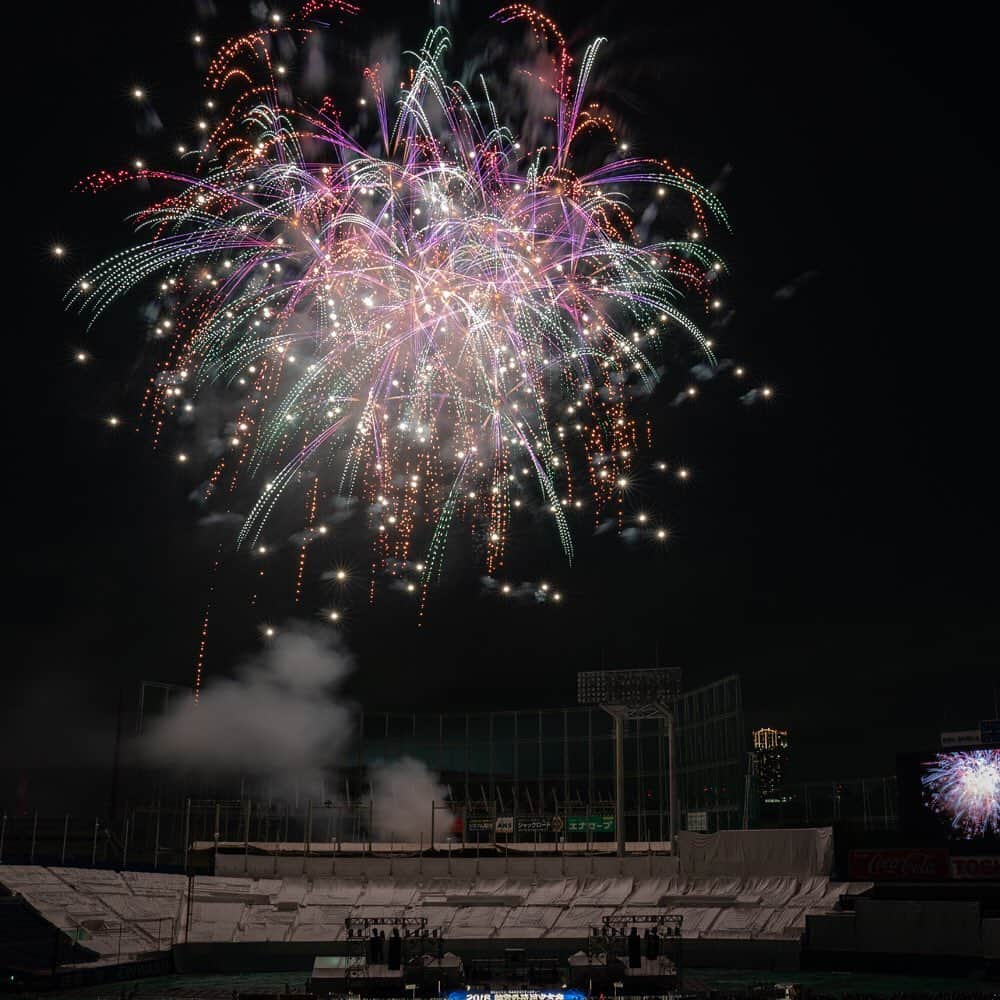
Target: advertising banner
point(982, 866)
point(898, 864)
point(591, 824)
point(533, 824)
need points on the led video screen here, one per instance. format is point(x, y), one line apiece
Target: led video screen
point(953, 794)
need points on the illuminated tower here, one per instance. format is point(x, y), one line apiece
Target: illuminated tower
point(770, 747)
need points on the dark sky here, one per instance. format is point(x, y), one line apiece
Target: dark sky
point(837, 548)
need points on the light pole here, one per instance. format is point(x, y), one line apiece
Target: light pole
point(635, 694)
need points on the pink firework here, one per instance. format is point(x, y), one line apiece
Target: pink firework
point(963, 788)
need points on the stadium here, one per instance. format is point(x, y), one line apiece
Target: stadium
point(523, 881)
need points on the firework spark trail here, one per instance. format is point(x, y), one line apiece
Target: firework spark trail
point(963, 788)
point(433, 327)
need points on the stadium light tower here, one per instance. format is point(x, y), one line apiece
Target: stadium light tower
point(635, 694)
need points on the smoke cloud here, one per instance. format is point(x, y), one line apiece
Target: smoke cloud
point(283, 717)
point(280, 717)
point(403, 793)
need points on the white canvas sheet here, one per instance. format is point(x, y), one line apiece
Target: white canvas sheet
point(332, 916)
point(315, 932)
point(154, 884)
point(741, 923)
point(477, 921)
point(85, 908)
point(758, 852)
point(811, 892)
point(774, 890)
point(18, 875)
point(604, 892)
point(376, 911)
point(786, 923)
point(697, 919)
point(132, 908)
point(292, 893)
point(109, 944)
point(216, 933)
point(333, 892)
point(97, 882)
point(724, 888)
point(528, 921)
point(649, 891)
point(386, 892)
point(575, 921)
point(217, 913)
point(222, 889)
point(557, 892)
point(438, 917)
point(274, 927)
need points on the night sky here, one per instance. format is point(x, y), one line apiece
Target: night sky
point(836, 547)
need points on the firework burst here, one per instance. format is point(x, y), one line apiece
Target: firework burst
point(963, 788)
point(432, 320)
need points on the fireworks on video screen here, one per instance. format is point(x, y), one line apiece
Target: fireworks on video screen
point(405, 307)
point(963, 788)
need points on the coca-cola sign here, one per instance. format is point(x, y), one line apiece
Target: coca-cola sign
point(901, 864)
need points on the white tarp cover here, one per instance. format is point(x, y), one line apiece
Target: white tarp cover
point(757, 852)
point(333, 892)
point(120, 916)
point(215, 921)
point(723, 888)
point(386, 892)
point(93, 880)
point(320, 923)
point(265, 923)
point(476, 921)
point(15, 876)
point(773, 890)
point(603, 892)
point(649, 891)
point(558, 892)
point(812, 892)
point(740, 922)
point(291, 895)
point(331, 915)
point(149, 907)
point(786, 923)
point(438, 917)
point(697, 919)
point(529, 921)
point(575, 921)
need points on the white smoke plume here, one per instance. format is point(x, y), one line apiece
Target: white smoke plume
point(280, 717)
point(403, 793)
point(283, 717)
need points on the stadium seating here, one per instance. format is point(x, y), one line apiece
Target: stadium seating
point(122, 916)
